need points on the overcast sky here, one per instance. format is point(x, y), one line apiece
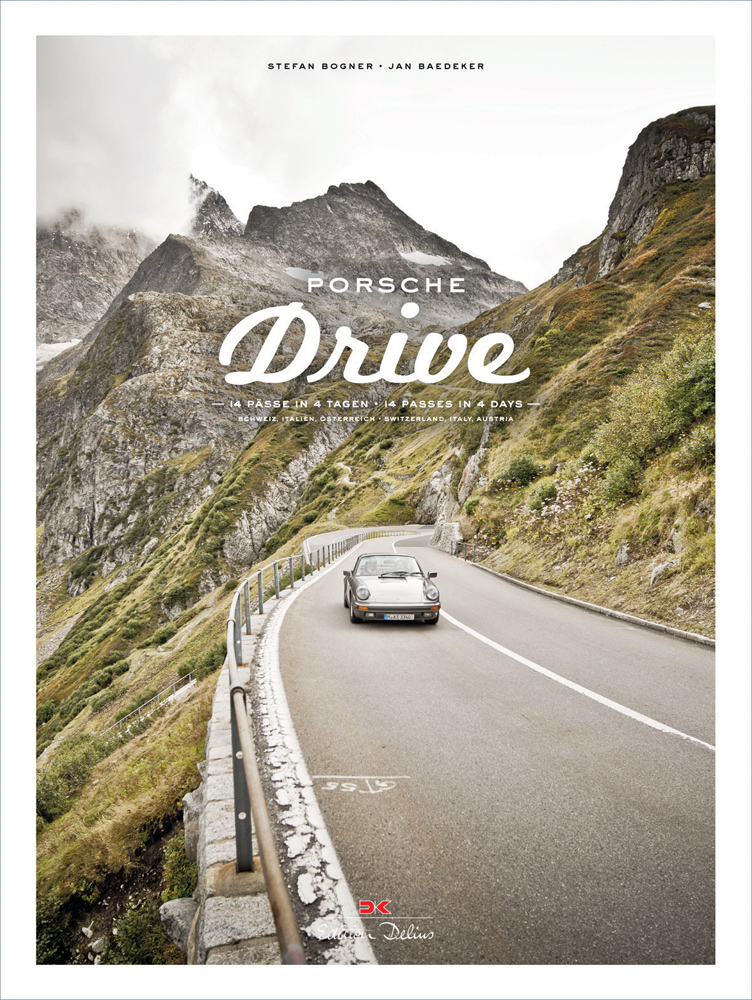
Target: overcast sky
point(516, 163)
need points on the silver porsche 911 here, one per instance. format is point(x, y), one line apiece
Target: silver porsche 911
point(389, 587)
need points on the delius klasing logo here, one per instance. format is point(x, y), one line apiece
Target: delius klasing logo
point(366, 907)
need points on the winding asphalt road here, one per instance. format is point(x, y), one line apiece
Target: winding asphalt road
point(506, 817)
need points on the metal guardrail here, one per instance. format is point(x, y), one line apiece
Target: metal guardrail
point(155, 701)
point(250, 807)
point(249, 802)
point(459, 549)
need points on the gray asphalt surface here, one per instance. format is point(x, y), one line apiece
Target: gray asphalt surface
point(518, 821)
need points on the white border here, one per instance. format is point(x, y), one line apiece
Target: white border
point(729, 21)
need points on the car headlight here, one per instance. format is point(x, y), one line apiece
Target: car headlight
point(432, 593)
point(362, 593)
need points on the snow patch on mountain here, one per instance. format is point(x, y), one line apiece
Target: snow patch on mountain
point(46, 352)
point(302, 275)
point(416, 257)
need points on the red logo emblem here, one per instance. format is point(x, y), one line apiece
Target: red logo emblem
point(366, 907)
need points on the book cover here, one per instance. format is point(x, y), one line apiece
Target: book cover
point(457, 294)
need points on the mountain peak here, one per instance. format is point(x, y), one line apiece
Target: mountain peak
point(212, 216)
point(355, 231)
point(367, 188)
point(352, 221)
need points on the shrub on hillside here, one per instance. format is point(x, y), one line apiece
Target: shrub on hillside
point(136, 702)
point(45, 712)
point(181, 875)
point(202, 666)
point(140, 939)
point(658, 401)
point(60, 780)
point(619, 481)
point(698, 449)
point(522, 469)
point(163, 634)
point(105, 698)
point(542, 494)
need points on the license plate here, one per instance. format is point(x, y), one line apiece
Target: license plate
point(399, 618)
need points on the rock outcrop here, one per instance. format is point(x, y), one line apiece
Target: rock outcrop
point(680, 147)
point(274, 506)
point(675, 149)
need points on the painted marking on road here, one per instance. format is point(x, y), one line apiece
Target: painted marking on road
point(622, 709)
point(352, 783)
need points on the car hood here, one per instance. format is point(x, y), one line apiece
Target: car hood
point(401, 590)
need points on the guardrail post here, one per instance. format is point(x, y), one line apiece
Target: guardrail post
point(237, 632)
point(473, 551)
point(247, 602)
point(260, 585)
point(292, 575)
point(302, 565)
point(276, 579)
point(242, 797)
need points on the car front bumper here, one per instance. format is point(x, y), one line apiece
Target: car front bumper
point(379, 612)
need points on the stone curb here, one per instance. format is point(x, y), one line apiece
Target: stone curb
point(609, 612)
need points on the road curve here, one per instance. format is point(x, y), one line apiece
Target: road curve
point(506, 817)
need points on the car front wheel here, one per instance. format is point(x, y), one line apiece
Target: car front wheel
point(355, 620)
point(432, 621)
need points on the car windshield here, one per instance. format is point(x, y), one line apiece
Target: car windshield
point(387, 566)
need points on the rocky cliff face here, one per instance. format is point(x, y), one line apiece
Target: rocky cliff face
point(678, 148)
point(141, 398)
point(80, 269)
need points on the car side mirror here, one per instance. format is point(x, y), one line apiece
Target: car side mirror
point(432, 575)
point(345, 572)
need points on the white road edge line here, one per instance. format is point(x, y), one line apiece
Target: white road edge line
point(322, 874)
point(622, 709)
